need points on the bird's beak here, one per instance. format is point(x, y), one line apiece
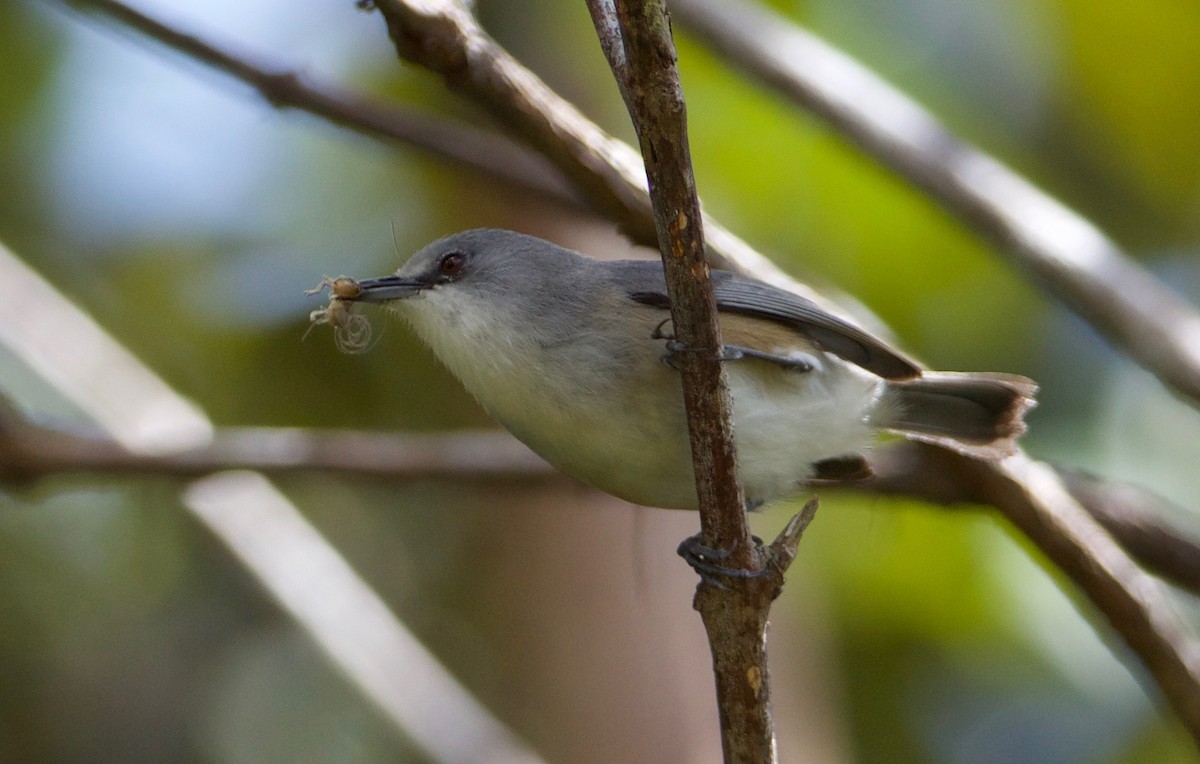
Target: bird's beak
point(386, 289)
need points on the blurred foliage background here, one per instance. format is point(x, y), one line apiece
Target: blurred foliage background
point(188, 217)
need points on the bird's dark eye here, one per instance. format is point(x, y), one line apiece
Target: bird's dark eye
point(452, 264)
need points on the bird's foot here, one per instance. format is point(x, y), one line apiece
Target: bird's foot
point(706, 561)
point(728, 352)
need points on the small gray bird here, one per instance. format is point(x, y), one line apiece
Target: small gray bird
point(570, 354)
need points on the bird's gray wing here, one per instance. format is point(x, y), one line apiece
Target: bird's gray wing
point(643, 282)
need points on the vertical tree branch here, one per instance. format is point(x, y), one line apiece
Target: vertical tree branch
point(636, 38)
point(643, 60)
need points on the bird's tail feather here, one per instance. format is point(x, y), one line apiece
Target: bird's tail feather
point(980, 415)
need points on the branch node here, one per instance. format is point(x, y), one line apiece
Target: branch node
point(279, 87)
point(782, 550)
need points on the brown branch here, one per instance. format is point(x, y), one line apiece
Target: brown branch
point(636, 38)
point(1141, 523)
point(1137, 519)
point(1033, 498)
point(443, 36)
point(484, 151)
point(1064, 252)
point(642, 56)
point(1117, 589)
point(30, 453)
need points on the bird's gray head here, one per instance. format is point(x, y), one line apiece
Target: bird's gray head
point(482, 290)
point(489, 267)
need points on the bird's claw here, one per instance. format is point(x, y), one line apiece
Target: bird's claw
point(728, 352)
point(705, 561)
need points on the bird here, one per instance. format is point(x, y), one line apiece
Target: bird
point(575, 357)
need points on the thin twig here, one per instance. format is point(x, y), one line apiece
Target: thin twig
point(1135, 605)
point(1140, 521)
point(30, 453)
point(605, 171)
point(1063, 251)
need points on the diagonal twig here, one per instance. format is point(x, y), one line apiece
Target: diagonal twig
point(606, 173)
point(444, 37)
point(1135, 605)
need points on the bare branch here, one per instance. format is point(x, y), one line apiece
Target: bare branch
point(605, 171)
point(30, 453)
point(1033, 498)
point(1064, 252)
point(1140, 521)
point(1137, 519)
point(642, 56)
point(636, 38)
